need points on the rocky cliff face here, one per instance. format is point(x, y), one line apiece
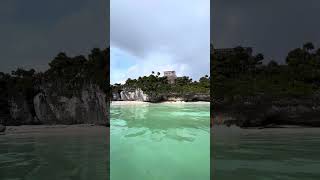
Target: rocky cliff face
point(21, 112)
point(305, 112)
point(139, 95)
point(135, 95)
point(87, 105)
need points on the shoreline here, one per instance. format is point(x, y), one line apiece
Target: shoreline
point(162, 102)
point(76, 129)
point(288, 130)
point(91, 129)
point(285, 126)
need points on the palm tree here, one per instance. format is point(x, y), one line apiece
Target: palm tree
point(308, 46)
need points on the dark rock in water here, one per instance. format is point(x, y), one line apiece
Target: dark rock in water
point(270, 113)
point(2, 128)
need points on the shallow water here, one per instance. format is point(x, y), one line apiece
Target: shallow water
point(267, 154)
point(160, 142)
point(55, 156)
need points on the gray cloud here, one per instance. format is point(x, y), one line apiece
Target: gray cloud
point(177, 28)
point(34, 31)
point(272, 27)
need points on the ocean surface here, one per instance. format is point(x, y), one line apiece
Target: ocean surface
point(160, 142)
point(266, 154)
point(54, 156)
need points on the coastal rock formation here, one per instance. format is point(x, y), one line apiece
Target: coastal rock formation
point(116, 96)
point(133, 95)
point(21, 111)
point(2, 128)
point(197, 97)
point(73, 90)
point(139, 95)
point(89, 106)
point(265, 113)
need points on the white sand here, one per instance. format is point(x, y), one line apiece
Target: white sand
point(127, 102)
point(165, 102)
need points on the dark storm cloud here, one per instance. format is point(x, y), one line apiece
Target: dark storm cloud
point(272, 27)
point(179, 29)
point(33, 32)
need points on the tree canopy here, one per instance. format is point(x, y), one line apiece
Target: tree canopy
point(239, 74)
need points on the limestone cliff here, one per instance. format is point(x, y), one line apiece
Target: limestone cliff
point(139, 95)
point(21, 112)
point(134, 95)
point(87, 105)
point(269, 112)
point(73, 90)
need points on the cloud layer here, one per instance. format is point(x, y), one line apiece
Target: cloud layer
point(160, 35)
point(272, 27)
point(34, 31)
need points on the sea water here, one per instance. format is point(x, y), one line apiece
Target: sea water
point(79, 155)
point(265, 154)
point(165, 141)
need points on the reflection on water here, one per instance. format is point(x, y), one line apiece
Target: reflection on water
point(160, 141)
point(52, 157)
point(266, 154)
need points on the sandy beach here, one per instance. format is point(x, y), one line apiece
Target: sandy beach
point(165, 102)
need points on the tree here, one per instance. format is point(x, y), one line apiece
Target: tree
point(272, 64)
point(308, 46)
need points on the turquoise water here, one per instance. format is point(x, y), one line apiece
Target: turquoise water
point(267, 154)
point(80, 156)
point(160, 142)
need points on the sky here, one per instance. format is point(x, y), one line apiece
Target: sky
point(33, 32)
point(159, 35)
point(271, 27)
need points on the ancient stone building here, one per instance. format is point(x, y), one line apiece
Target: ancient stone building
point(171, 76)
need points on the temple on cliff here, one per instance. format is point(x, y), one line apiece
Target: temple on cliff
point(171, 76)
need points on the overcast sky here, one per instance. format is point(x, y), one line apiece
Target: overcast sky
point(33, 31)
point(272, 27)
point(159, 35)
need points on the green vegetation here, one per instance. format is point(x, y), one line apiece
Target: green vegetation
point(21, 83)
point(70, 73)
point(155, 85)
point(65, 76)
point(238, 75)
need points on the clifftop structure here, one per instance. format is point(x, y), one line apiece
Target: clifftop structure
point(171, 76)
